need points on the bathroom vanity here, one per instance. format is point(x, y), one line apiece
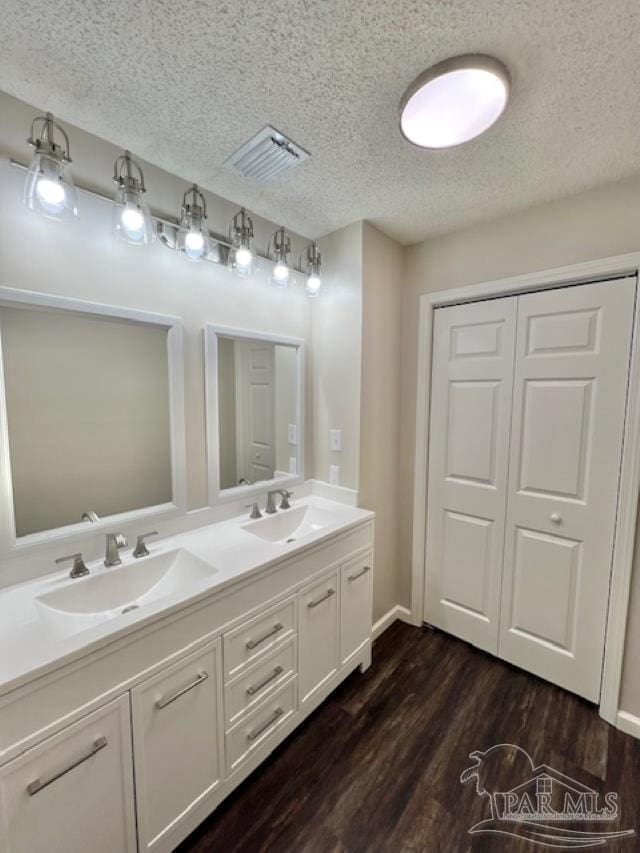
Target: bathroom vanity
point(136, 698)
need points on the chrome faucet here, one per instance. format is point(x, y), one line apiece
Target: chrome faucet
point(79, 569)
point(91, 516)
point(115, 541)
point(271, 500)
point(141, 549)
point(255, 510)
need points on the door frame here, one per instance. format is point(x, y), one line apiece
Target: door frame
point(629, 484)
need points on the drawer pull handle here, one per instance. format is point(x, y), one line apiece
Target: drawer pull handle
point(257, 732)
point(251, 644)
point(359, 574)
point(254, 688)
point(167, 700)
point(39, 784)
point(318, 601)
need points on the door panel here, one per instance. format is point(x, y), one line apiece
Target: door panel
point(571, 365)
point(473, 349)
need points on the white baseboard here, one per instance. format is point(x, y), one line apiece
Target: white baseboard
point(334, 493)
point(396, 612)
point(628, 723)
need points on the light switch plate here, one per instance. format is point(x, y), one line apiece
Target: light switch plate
point(292, 434)
point(336, 439)
point(334, 475)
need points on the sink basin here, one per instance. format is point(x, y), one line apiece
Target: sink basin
point(289, 525)
point(88, 601)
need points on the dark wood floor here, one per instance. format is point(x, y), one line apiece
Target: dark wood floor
point(377, 767)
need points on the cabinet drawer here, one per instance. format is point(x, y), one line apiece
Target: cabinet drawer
point(261, 679)
point(260, 725)
point(257, 636)
point(73, 790)
point(176, 741)
point(355, 605)
point(318, 634)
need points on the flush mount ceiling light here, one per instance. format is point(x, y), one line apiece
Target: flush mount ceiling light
point(454, 101)
point(48, 188)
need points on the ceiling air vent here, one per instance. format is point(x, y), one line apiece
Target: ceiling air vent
point(266, 155)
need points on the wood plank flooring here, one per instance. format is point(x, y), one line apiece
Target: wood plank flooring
point(377, 767)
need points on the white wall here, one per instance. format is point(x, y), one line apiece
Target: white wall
point(594, 224)
point(380, 407)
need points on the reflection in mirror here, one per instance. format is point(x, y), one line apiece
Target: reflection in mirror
point(257, 410)
point(87, 415)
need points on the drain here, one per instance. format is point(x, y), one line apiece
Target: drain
point(129, 607)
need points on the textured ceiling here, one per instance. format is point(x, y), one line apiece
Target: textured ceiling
point(184, 83)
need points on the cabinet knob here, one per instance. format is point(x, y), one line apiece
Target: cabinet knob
point(555, 517)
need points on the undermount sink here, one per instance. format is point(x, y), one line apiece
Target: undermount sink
point(89, 601)
point(289, 525)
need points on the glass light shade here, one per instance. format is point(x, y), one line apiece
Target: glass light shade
point(131, 218)
point(242, 260)
point(193, 240)
point(281, 274)
point(49, 189)
point(314, 283)
point(454, 101)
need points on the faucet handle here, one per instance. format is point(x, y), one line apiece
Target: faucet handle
point(141, 549)
point(78, 569)
point(255, 510)
point(284, 503)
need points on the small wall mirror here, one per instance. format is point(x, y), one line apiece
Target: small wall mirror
point(254, 411)
point(89, 415)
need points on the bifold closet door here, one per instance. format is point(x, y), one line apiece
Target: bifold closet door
point(571, 368)
point(472, 377)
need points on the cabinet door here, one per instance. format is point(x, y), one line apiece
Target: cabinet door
point(355, 605)
point(318, 634)
point(74, 791)
point(176, 740)
point(472, 377)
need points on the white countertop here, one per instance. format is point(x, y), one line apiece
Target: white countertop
point(29, 649)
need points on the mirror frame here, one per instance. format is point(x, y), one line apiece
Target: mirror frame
point(10, 544)
point(217, 495)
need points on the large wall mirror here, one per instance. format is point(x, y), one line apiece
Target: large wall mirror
point(91, 414)
point(255, 393)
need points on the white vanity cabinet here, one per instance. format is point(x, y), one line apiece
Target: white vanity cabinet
point(132, 745)
point(177, 720)
point(356, 594)
point(318, 615)
point(74, 790)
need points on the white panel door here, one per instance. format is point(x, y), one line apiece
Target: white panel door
point(473, 349)
point(572, 357)
point(256, 410)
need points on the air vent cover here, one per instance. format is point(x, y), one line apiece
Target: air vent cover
point(267, 154)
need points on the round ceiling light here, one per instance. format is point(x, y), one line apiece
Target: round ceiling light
point(454, 101)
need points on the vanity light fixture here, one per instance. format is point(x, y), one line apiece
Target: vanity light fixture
point(193, 236)
point(312, 269)
point(242, 257)
point(279, 250)
point(454, 101)
point(48, 187)
point(132, 220)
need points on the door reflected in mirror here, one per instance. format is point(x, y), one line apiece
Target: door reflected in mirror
point(258, 422)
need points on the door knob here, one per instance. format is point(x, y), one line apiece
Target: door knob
point(555, 517)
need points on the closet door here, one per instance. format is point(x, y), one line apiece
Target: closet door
point(571, 368)
point(472, 376)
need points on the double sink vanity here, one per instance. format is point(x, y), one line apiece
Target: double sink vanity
point(141, 683)
point(138, 696)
